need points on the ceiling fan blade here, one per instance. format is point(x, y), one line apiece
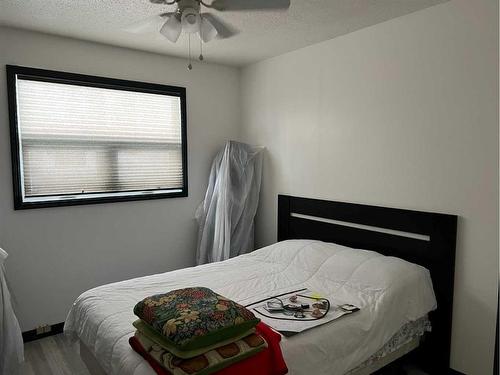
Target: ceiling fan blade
point(148, 25)
point(224, 30)
point(235, 5)
point(172, 28)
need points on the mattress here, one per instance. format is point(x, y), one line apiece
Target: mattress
point(390, 292)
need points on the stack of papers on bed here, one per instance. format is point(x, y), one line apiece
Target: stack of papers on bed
point(194, 331)
point(288, 324)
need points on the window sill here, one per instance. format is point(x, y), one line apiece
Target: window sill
point(75, 200)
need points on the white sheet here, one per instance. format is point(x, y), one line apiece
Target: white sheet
point(389, 291)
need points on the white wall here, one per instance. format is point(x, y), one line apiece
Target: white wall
point(401, 114)
point(57, 253)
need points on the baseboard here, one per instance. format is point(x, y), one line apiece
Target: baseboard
point(455, 372)
point(32, 335)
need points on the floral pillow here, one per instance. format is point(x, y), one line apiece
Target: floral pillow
point(194, 318)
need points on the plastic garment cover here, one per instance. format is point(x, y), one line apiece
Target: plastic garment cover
point(226, 216)
point(11, 340)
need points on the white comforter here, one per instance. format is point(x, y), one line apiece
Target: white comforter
point(389, 291)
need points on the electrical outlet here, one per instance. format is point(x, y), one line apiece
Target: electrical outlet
point(44, 328)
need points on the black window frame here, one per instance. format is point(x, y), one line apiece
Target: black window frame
point(35, 74)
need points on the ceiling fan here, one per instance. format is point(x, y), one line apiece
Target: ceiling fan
point(189, 18)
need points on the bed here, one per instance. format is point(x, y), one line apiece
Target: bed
point(370, 256)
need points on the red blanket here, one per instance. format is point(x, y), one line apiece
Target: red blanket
point(267, 362)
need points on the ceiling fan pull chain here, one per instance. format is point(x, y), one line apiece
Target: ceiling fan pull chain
point(201, 47)
point(190, 66)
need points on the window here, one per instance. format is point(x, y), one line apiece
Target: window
point(81, 139)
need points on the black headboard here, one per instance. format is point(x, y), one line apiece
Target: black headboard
point(428, 240)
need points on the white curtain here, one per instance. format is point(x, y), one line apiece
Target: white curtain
point(226, 216)
point(11, 340)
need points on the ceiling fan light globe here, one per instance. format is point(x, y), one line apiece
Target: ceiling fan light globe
point(207, 30)
point(190, 20)
point(172, 29)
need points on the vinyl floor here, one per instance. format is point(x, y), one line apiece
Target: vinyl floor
point(53, 355)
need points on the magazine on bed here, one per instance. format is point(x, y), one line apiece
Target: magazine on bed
point(297, 311)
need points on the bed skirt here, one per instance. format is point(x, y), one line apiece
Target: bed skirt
point(95, 368)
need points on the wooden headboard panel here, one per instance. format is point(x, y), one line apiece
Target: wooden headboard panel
point(424, 238)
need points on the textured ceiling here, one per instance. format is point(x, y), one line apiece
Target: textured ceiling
point(263, 34)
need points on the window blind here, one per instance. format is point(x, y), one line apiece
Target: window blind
point(77, 139)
